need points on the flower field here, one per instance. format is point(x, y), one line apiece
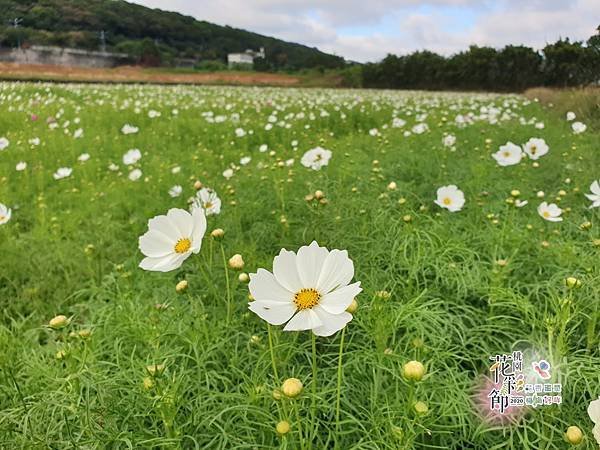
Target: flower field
point(252, 268)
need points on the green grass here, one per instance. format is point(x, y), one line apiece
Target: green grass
point(71, 248)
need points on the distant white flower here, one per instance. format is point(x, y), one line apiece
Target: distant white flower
point(5, 214)
point(316, 158)
point(595, 195)
point(578, 127)
point(594, 413)
point(135, 174)
point(571, 116)
point(245, 160)
point(83, 157)
point(175, 170)
point(63, 172)
point(508, 155)
point(449, 140)
point(228, 173)
point(398, 123)
point(21, 166)
point(175, 191)
point(153, 114)
point(129, 129)
point(34, 141)
point(132, 156)
point(4, 143)
point(550, 212)
point(520, 203)
point(540, 125)
point(420, 128)
point(289, 162)
point(310, 290)
point(208, 200)
point(374, 132)
point(239, 132)
point(113, 167)
point(171, 239)
point(450, 197)
point(535, 148)
point(78, 133)
point(263, 148)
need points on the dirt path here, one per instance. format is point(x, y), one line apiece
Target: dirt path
point(134, 74)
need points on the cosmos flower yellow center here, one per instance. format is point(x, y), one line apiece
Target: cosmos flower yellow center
point(546, 214)
point(506, 154)
point(183, 245)
point(533, 149)
point(447, 201)
point(307, 298)
point(208, 205)
point(2, 217)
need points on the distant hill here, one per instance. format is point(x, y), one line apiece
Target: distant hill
point(150, 36)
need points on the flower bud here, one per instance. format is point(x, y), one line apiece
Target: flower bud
point(392, 186)
point(292, 387)
point(148, 383)
point(61, 354)
point(198, 185)
point(236, 262)
point(181, 286)
point(155, 369)
point(352, 307)
point(217, 233)
point(413, 370)
point(574, 435)
point(421, 408)
point(572, 283)
point(283, 427)
point(59, 322)
point(85, 333)
point(276, 394)
point(319, 195)
point(243, 277)
point(515, 192)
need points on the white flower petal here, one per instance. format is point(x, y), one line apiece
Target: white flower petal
point(286, 272)
point(332, 323)
point(164, 264)
point(594, 410)
point(264, 286)
point(310, 261)
point(337, 301)
point(182, 220)
point(156, 244)
point(276, 313)
point(337, 270)
point(306, 319)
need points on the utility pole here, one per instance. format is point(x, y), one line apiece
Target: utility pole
point(15, 23)
point(103, 41)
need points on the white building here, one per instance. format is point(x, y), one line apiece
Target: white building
point(246, 58)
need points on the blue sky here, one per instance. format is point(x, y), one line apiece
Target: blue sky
point(366, 30)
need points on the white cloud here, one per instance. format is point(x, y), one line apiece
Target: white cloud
point(327, 24)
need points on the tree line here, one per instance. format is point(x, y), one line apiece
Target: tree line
point(512, 68)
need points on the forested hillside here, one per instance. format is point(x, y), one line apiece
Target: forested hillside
point(151, 36)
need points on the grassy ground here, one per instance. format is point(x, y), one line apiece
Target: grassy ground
point(462, 286)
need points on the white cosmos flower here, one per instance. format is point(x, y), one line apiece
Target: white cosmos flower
point(171, 239)
point(420, 128)
point(535, 148)
point(135, 174)
point(207, 200)
point(571, 116)
point(62, 172)
point(398, 123)
point(595, 195)
point(129, 129)
point(449, 140)
point(245, 160)
point(450, 197)
point(5, 214)
point(132, 156)
point(21, 166)
point(316, 158)
point(550, 212)
point(175, 170)
point(34, 141)
point(594, 413)
point(228, 173)
point(78, 133)
point(83, 157)
point(113, 167)
point(175, 191)
point(520, 203)
point(309, 290)
point(578, 127)
point(239, 132)
point(509, 154)
point(3, 143)
point(263, 148)
point(153, 114)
